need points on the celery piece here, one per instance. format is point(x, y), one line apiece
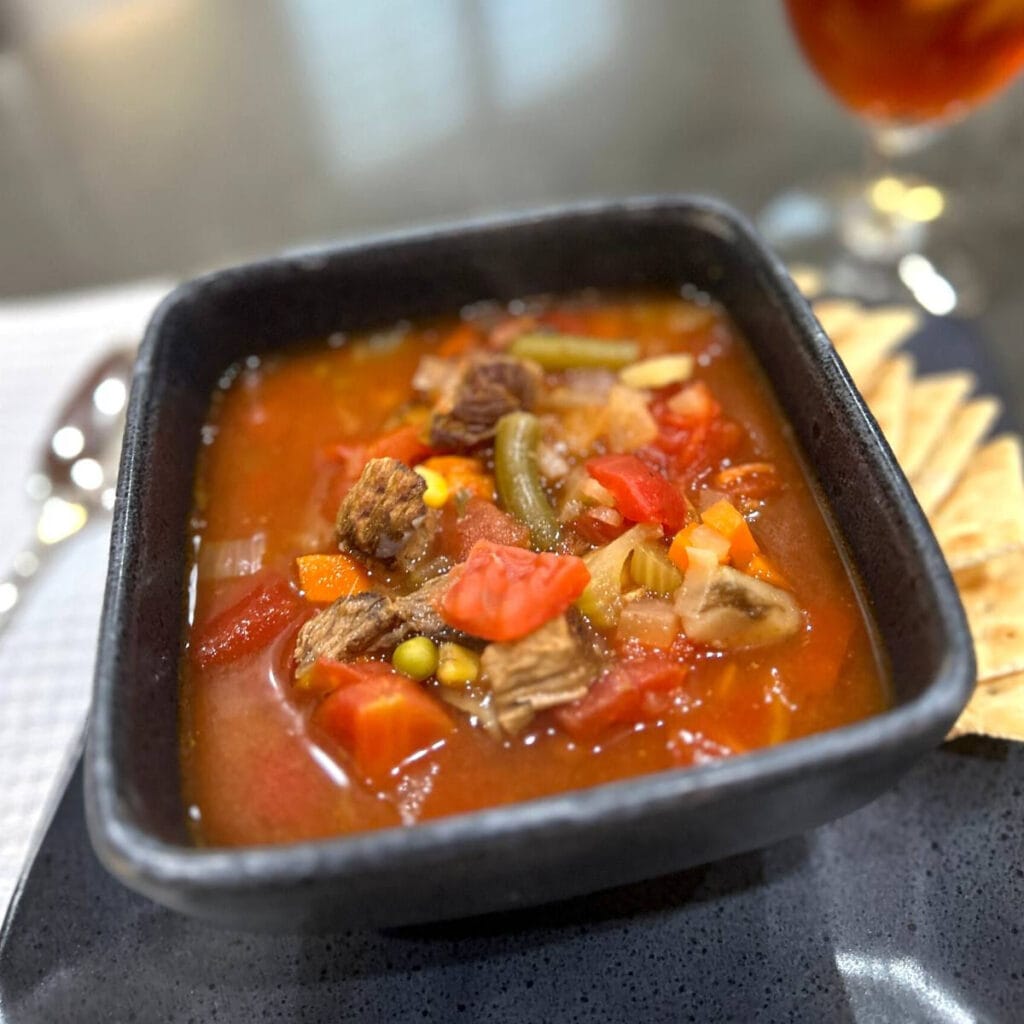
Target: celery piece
point(601, 601)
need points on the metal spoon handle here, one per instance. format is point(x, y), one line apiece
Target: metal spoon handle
point(24, 567)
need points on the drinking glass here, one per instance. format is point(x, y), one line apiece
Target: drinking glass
point(907, 69)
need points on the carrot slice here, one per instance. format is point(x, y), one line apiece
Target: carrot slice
point(382, 720)
point(760, 567)
point(325, 578)
point(724, 517)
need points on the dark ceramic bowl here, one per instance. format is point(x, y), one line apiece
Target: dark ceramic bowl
point(544, 849)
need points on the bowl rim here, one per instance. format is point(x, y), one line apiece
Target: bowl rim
point(152, 864)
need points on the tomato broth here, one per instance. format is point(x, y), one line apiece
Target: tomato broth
point(283, 738)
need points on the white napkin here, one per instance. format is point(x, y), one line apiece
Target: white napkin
point(47, 652)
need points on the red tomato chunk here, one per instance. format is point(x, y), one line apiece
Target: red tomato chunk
point(249, 625)
point(503, 593)
point(641, 494)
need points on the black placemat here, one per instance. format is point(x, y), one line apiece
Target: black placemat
point(908, 910)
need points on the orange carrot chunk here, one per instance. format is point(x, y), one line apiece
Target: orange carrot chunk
point(382, 720)
point(325, 578)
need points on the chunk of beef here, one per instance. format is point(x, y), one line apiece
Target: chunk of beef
point(420, 546)
point(359, 624)
point(490, 387)
point(383, 508)
point(552, 665)
point(373, 623)
point(419, 609)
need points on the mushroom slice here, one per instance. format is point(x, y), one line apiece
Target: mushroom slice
point(723, 607)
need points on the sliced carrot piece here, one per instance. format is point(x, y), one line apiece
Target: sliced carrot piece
point(724, 517)
point(760, 567)
point(325, 578)
point(382, 721)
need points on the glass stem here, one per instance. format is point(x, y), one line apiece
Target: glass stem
point(886, 217)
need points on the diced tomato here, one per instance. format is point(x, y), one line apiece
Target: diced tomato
point(641, 495)
point(338, 468)
point(248, 625)
point(478, 520)
point(404, 443)
point(381, 719)
point(502, 593)
point(692, 432)
point(631, 691)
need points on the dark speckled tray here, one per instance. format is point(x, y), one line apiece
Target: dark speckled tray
point(911, 909)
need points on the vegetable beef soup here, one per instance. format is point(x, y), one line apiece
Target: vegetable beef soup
point(450, 565)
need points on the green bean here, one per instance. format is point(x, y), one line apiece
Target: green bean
point(518, 480)
point(570, 351)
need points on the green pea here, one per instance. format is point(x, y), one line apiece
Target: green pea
point(416, 658)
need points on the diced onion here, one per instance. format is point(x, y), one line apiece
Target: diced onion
point(650, 622)
point(228, 559)
point(630, 423)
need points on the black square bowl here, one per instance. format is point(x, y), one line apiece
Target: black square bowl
point(559, 846)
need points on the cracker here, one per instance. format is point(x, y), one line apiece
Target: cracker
point(864, 345)
point(993, 599)
point(934, 401)
point(984, 515)
point(836, 315)
point(961, 438)
point(889, 400)
point(996, 709)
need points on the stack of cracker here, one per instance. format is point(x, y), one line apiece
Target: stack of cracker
point(969, 484)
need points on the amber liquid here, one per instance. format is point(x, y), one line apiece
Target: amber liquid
point(911, 60)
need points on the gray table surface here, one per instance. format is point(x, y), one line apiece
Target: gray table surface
point(161, 137)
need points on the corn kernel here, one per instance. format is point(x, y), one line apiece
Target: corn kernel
point(436, 493)
point(456, 665)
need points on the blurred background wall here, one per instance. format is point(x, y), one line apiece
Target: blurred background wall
point(142, 137)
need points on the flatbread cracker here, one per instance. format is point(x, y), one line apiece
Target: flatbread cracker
point(836, 315)
point(889, 400)
point(996, 709)
point(993, 599)
point(961, 438)
point(863, 347)
point(934, 401)
point(984, 516)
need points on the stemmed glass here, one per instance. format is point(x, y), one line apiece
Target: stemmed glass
point(908, 69)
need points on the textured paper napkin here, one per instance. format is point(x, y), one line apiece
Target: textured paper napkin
point(47, 651)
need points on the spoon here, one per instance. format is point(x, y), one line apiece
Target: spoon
point(76, 471)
